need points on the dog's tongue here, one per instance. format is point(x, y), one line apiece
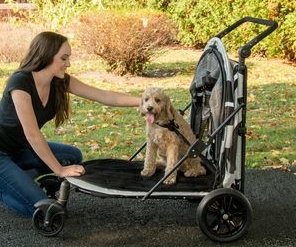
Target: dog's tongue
point(150, 118)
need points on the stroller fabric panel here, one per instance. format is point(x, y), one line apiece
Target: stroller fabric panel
point(216, 90)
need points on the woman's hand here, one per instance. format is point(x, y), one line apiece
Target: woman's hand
point(71, 171)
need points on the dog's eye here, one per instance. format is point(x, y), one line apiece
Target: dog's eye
point(146, 99)
point(157, 100)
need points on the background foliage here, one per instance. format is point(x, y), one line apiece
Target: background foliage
point(125, 41)
point(198, 20)
point(102, 131)
point(58, 13)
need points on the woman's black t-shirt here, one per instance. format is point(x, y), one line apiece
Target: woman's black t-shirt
point(12, 138)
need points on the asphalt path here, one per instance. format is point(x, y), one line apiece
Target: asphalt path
point(94, 221)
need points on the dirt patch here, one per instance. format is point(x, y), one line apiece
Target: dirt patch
point(156, 78)
point(174, 76)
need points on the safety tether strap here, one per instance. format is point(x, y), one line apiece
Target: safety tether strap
point(173, 126)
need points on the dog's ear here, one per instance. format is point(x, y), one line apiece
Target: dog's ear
point(170, 109)
point(141, 106)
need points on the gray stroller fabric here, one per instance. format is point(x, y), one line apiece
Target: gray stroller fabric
point(215, 90)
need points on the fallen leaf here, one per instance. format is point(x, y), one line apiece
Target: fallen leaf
point(60, 131)
point(284, 161)
point(275, 153)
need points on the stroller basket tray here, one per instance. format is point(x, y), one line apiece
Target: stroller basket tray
point(123, 178)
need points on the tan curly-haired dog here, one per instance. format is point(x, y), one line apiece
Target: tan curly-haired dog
point(164, 143)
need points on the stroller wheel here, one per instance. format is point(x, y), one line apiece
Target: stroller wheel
point(48, 227)
point(224, 215)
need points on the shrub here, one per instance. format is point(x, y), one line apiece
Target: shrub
point(284, 43)
point(199, 20)
point(15, 40)
point(125, 41)
point(288, 41)
point(55, 14)
point(123, 4)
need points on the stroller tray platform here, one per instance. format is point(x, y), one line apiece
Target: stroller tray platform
point(122, 178)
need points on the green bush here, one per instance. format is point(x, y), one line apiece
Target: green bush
point(123, 4)
point(284, 12)
point(125, 41)
point(288, 41)
point(55, 14)
point(199, 20)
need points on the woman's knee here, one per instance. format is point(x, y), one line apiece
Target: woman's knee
point(19, 192)
point(66, 154)
point(76, 155)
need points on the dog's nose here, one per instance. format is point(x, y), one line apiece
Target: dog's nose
point(149, 108)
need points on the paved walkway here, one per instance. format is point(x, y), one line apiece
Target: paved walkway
point(130, 222)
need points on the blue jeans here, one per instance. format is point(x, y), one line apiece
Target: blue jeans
point(18, 191)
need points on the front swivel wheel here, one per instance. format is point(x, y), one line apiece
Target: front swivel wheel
point(49, 219)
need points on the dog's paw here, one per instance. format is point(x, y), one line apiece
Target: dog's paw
point(200, 171)
point(147, 173)
point(170, 180)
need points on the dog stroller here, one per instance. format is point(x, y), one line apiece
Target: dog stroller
point(217, 117)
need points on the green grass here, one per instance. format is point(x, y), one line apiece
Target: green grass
point(112, 132)
point(101, 131)
point(271, 124)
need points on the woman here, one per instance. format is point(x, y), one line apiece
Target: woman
point(36, 93)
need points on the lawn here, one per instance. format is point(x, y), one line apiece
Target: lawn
point(102, 131)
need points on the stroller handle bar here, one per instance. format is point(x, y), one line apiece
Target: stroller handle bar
point(245, 50)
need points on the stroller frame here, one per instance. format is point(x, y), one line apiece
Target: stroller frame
point(214, 193)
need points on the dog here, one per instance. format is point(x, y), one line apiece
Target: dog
point(166, 144)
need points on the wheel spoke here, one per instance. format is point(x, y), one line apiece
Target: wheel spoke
point(225, 203)
point(238, 214)
point(214, 225)
point(214, 209)
point(230, 226)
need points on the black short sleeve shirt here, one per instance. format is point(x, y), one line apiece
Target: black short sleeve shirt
point(12, 138)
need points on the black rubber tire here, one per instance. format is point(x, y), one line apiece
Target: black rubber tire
point(224, 215)
point(54, 228)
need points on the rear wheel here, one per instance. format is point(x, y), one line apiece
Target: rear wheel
point(224, 215)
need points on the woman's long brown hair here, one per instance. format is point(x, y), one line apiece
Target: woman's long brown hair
point(40, 54)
